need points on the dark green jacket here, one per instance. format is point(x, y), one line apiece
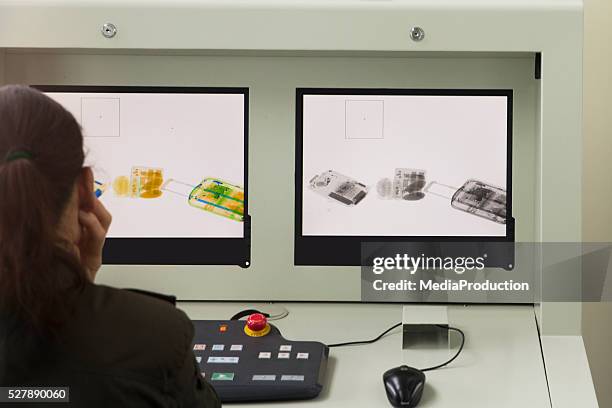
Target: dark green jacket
point(120, 349)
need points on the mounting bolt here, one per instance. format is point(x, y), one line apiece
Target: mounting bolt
point(417, 34)
point(109, 30)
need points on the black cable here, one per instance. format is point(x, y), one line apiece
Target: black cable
point(456, 354)
point(350, 343)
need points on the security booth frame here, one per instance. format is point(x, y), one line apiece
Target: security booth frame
point(274, 47)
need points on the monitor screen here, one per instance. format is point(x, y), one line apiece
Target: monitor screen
point(170, 165)
point(397, 165)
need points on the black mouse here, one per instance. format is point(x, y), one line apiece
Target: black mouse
point(404, 386)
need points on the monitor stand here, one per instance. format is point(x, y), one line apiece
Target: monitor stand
point(425, 340)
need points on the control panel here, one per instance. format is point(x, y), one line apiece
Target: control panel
point(251, 361)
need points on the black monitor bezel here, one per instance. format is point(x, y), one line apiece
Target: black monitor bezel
point(320, 250)
point(176, 251)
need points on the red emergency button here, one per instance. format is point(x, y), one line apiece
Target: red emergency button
point(257, 325)
point(257, 322)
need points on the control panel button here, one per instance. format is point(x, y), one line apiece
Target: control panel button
point(265, 355)
point(236, 347)
point(222, 377)
point(223, 360)
point(259, 377)
point(199, 359)
point(285, 347)
point(302, 356)
point(218, 347)
point(284, 355)
point(223, 328)
point(292, 378)
point(257, 322)
point(199, 347)
point(257, 325)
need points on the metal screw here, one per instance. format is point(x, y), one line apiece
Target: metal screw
point(417, 34)
point(109, 30)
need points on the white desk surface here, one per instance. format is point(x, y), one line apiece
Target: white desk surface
point(501, 364)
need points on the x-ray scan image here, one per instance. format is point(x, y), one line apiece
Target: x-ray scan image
point(339, 187)
point(481, 199)
point(407, 185)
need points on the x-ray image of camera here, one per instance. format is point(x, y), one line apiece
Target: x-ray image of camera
point(407, 184)
point(477, 198)
point(338, 187)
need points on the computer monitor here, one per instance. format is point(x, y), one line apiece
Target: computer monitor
point(394, 165)
point(170, 164)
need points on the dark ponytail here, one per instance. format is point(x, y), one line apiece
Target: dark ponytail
point(41, 157)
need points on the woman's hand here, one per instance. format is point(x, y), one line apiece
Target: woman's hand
point(94, 226)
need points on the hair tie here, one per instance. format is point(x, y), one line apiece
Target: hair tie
point(16, 155)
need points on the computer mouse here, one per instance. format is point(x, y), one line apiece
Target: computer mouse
point(404, 386)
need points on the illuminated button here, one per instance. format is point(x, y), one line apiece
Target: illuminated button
point(283, 355)
point(285, 347)
point(222, 377)
point(292, 378)
point(302, 356)
point(223, 360)
point(269, 377)
point(265, 355)
point(199, 359)
point(223, 328)
point(199, 347)
point(257, 325)
point(236, 347)
point(218, 347)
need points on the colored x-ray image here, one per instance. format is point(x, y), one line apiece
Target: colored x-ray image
point(99, 188)
point(145, 182)
point(137, 140)
point(121, 186)
point(219, 197)
point(407, 184)
point(481, 199)
point(212, 195)
point(339, 187)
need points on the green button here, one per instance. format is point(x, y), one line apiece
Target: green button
point(222, 377)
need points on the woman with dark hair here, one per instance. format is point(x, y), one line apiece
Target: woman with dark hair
point(113, 348)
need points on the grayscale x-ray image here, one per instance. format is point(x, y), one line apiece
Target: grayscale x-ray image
point(395, 145)
point(407, 185)
point(339, 187)
point(481, 199)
